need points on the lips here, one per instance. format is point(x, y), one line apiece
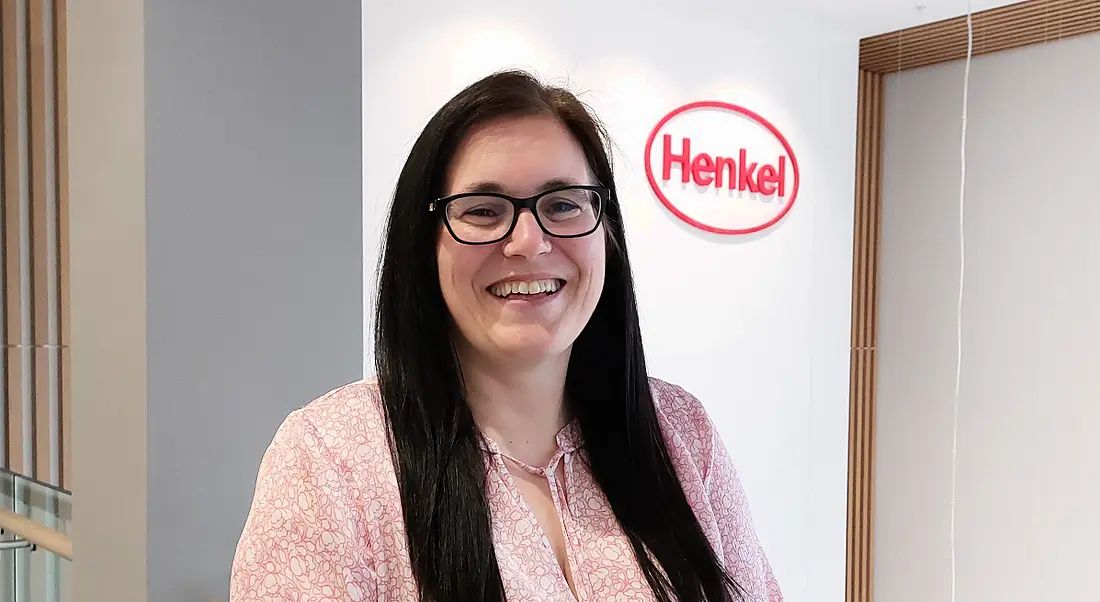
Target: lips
point(512, 289)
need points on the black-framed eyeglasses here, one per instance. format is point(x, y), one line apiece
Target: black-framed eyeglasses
point(482, 218)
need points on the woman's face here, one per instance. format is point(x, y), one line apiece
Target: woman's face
point(520, 157)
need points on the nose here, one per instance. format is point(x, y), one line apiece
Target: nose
point(527, 239)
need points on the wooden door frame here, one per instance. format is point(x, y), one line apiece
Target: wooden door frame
point(995, 30)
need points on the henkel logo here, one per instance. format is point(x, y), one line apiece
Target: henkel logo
point(721, 168)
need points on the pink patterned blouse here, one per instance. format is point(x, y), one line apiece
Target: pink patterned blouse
point(326, 521)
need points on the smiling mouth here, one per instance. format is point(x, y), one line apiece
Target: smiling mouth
point(526, 289)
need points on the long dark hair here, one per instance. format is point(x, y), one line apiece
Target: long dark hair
point(436, 447)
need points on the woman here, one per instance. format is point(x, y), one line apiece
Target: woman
point(513, 446)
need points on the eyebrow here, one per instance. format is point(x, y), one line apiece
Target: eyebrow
point(497, 187)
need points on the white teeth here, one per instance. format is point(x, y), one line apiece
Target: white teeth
point(523, 287)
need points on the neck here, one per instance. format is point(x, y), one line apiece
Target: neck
point(521, 407)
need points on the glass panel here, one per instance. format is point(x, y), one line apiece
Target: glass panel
point(29, 573)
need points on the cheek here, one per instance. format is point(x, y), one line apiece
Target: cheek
point(458, 265)
point(591, 258)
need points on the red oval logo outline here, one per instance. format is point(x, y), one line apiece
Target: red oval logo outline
point(717, 104)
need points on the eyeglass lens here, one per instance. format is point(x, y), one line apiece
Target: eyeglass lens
point(476, 219)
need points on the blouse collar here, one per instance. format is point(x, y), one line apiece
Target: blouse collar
point(568, 439)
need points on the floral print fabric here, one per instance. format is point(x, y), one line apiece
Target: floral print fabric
point(326, 521)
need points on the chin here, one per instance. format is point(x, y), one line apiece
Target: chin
point(530, 343)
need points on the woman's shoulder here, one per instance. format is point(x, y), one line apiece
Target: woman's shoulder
point(348, 422)
point(686, 425)
point(678, 408)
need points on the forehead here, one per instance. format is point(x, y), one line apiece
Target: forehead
point(517, 155)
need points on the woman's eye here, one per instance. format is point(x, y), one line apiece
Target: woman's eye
point(481, 212)
point(563, 206)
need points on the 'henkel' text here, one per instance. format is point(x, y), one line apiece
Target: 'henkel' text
point(735, 174)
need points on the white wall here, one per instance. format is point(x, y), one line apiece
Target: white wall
point(757, 328)
point(1028, 454)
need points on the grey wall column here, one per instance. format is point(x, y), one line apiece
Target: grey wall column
point(255, 261)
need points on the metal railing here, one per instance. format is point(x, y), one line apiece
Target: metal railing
point(35, 549)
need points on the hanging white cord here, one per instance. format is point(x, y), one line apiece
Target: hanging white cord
point(959, 309)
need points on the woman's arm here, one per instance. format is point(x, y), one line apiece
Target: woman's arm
point(302, 541)
point(694, 434)
point(745, 559)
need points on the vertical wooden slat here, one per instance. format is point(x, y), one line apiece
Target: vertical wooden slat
point(40, 153)
point(33, 218)
point(12, 223)
point(861, 390)
point(866, 346)
point(878, 104)
point(861, 343)
point(860, 574)
point(61, 111)
point(4, 342)
point(853, 382)
point(869, 343)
